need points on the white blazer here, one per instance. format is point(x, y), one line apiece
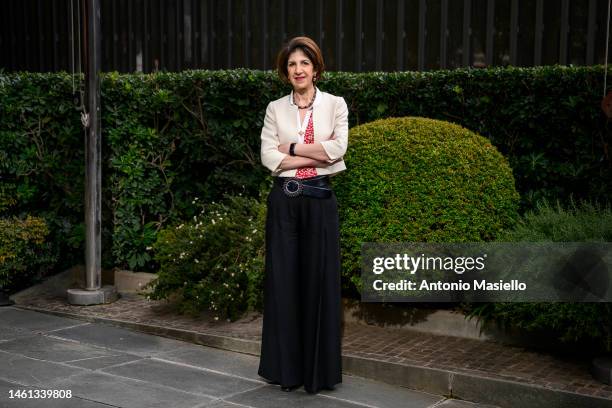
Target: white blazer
point(281, 125)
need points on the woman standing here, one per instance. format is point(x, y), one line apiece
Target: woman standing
point(304, 137)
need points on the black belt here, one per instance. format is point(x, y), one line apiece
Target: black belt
point(313, 187)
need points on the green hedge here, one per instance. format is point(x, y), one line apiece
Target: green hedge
point(170, 137)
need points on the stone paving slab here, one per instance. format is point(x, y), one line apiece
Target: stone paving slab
point(28, 371)
point(269, 397)
point(11, 333)
point(50, 349)
point(11, 317)
point(126, 392)
point(116, 338)
point(241, 365)
point(184, 377)
point(96, 363)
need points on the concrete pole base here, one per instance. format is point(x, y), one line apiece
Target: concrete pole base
point(106, 294)
point(601, 369)
point(4, 300)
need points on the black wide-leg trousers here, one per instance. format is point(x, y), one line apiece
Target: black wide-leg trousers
point(301, 339)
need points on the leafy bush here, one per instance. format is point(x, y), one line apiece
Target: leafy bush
point(41, 157)
point(215, 261)
point(421, 180)
point(141, 180)
point(568, 322)
point(582, 222)
point(25, 256)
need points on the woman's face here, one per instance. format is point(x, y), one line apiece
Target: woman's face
point(300, 70)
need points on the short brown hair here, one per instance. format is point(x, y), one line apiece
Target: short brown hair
point(308, 47)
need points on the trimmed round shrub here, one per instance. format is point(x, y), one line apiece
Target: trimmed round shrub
point(421, 180)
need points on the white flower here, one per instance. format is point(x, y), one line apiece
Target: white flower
point(213, 221)
point(196, 261)
point(149, 248)
point(216, 317)
point(254, 231)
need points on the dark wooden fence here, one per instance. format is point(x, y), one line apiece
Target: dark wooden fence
point(355, 35)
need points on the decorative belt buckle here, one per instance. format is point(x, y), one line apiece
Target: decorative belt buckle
point(292, 188)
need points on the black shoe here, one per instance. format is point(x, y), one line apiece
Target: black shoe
point(290, 388)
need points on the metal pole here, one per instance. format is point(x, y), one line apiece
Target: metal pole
point(92, 293)
point(93, 179)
